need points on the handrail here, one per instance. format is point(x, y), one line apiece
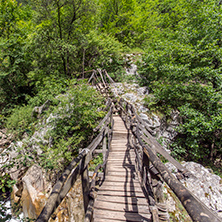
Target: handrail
point(149, 165)
point(53, 200)
point(151, 140)
point(78, 166)
point(197, 210)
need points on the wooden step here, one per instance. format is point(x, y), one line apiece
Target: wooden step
point(122, 174)
point(120, 179)
point(121, 193)
point(103, 205)
point(123, 188)
point(124, 216)
point(119, 199)
point(122, 183)
point(113, 167)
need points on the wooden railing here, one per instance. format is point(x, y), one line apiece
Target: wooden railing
point(79, 167)
point(150, 170)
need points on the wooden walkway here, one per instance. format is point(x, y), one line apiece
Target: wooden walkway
point(120, 198)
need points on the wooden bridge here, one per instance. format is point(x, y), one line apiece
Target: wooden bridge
point(121, 197)
point(131, 185)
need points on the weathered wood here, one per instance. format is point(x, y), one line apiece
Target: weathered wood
point(121, 181)
point(104, 146)
point(111, 80)
point(123, 199)
point(127, 185)
point(197, 210)
point(85, 180)
point(125, 216)
point(55, 199)
point(89, 212)
point(91, 77)
point(154, 211)
point(122, 207)
point(121, 168)
point(122, 187)
point(99, 70)
point(158, 148)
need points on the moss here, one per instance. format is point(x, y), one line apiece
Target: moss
point(180, 214)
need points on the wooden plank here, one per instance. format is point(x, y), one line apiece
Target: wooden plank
point(120, 193)
point(119, 150)
point(119, 199)
point(121, 168)
point(122, 150)
point(107, 220)
point(119, 164)
point(121, 188)
point(122, 156)
point(117, 178)
point(122, 174)
point(122, 183)
point(121, 153)
point(127, 216)
point(126, 173)
point(103, 205)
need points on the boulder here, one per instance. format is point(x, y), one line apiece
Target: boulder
point(132, 70)
point(33, 199)
point(71, 208)
point(206, 186)
point(131, 97)
point(4, 139)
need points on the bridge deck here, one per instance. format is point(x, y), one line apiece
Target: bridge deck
point(120, 198)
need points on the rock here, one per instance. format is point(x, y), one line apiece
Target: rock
point(71, 208)
point(142, 109)
point(33, 200)
point(145, 118)
point(5, 139)
point(141, 91)
point(130, 97)
point(117, 89)
point(14, 197)
point(206, 186)
point(8, 156)
point(37, 111)
point(132, 70)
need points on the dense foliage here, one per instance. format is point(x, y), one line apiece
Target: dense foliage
point(45, 44)
point(183, 69)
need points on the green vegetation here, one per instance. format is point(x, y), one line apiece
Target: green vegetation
point(6, 183)
point(47, 46)
point(183, 70)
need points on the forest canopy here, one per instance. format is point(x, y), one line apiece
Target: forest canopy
point(47, 43)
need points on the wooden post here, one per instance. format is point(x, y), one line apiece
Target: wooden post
point(104, 146)
point(85, 181)
point(195, 208)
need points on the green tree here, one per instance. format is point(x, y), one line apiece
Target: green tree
point(15, 61)
point(60, 37)
point(183, 69)
point(116, 18)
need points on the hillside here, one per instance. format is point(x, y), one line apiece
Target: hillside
point(167, 51)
